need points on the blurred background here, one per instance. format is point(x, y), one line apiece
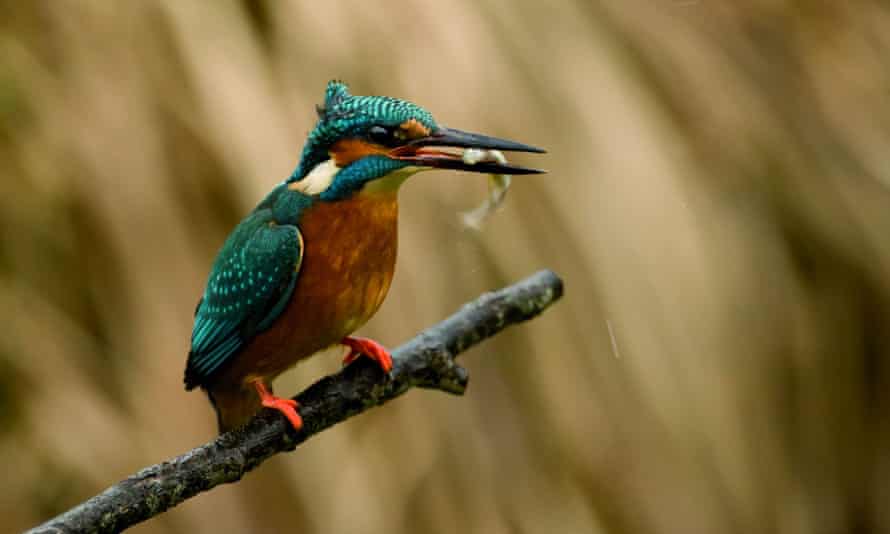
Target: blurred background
point(718, 203)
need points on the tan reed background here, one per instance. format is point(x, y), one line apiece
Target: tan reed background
point(718, 202)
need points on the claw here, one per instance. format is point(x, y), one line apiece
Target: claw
point(288, 407)
point(359, 346)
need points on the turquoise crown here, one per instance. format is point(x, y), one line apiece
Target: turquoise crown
point(344, 115)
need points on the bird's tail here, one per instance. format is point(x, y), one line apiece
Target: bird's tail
point(234, 406)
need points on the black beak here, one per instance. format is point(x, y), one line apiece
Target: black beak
point(417, 152)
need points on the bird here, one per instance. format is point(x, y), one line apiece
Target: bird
point(314, 260)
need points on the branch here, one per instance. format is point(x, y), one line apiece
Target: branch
point(426, 361)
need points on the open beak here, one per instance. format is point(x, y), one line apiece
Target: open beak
point(432, 151)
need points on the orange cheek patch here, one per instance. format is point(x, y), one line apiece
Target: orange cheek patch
point(413, 129)
point(346, 151)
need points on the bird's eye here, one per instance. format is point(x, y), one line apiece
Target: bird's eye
point(381, 135)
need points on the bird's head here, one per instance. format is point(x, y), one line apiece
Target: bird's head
point(378, 141)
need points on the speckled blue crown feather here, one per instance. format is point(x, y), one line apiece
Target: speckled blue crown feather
point(344, 115)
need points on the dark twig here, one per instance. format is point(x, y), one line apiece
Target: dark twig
point(425, 361)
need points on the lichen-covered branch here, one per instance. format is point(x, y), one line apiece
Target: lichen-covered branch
point(425, 361)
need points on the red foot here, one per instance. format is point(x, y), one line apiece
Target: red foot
point(363, 346)
point(288, 407)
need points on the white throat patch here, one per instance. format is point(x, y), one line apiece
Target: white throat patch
point(318, 180)
point(322, 176)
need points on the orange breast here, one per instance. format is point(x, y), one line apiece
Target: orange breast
point(348, 263)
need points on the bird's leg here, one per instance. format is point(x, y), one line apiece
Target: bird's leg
point(288, 407)
point(370, 348)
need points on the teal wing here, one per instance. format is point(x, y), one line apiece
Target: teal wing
point(250, 285)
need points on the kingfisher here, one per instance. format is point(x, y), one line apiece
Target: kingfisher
point(314, 260)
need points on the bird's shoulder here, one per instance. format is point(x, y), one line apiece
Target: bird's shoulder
point(260, 232)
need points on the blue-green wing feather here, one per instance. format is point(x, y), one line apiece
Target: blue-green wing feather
point(250, 285)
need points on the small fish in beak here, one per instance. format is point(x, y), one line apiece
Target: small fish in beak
point(498, 184)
